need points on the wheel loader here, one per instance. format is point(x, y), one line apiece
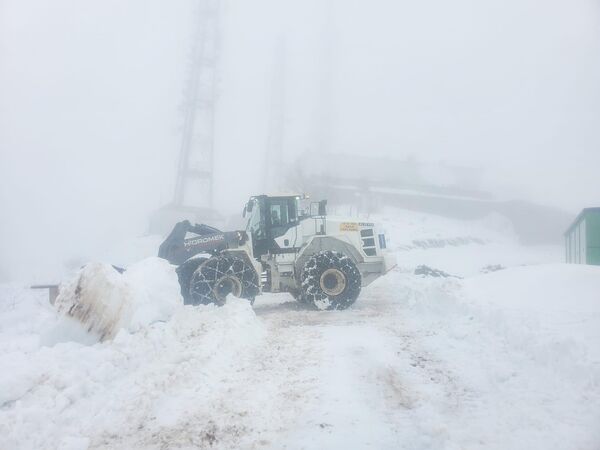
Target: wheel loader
point(289, 245)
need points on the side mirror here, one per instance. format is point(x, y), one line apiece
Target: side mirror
point(323, 208)
point(249, 206)
point(244, 212)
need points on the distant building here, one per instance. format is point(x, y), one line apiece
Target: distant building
point(371, 180)
point(369, 183)
point(582, 239)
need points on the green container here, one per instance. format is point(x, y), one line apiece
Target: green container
point(582, 239)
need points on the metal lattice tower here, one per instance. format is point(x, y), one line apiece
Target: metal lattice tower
point(275, 140)
point(194, 185)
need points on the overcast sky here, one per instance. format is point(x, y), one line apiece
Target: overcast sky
point(90, 96)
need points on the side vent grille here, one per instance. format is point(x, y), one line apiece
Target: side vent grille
point(368, 242)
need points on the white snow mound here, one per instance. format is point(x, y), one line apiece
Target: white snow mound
point(105, 301)
point(67, 394)
point(156, 292)
point(554, 300)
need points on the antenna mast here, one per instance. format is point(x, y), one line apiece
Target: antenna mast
point(194, 185)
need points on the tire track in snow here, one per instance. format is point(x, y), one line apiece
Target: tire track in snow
point(258, 396)
point(362, 394)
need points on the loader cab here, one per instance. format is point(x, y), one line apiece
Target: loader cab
point(269, 218)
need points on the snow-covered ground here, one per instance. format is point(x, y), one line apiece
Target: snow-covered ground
point(506, 359)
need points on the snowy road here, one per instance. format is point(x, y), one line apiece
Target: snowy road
point(396, 373)
point(393, 372)
point(509, 359)
point(316, 379)
point(414, 364)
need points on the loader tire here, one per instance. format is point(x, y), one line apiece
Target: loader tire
point(184, 273)
point(222, 275)
point(330, 280)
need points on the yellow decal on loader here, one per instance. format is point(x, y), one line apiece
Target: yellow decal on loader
point(348, 226)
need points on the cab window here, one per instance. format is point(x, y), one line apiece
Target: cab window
point(282, 213)
point(254, 222)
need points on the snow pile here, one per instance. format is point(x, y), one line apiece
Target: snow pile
point(559, 302)
point(73, 395)
point(156, 290)
point(458, 247)
point(105, 301)
point(509, 359)
point(63, 386)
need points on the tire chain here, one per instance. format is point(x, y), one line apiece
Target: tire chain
point(311, 275)
point(184, 273)
point(205, 277)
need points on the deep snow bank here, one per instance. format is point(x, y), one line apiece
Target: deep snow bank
point(560, 302)
point(458, 247)
point(545, 287)
point(61, 388)
point(521, 352)
point(103, 301)
point(549, 311)
point(71, 394)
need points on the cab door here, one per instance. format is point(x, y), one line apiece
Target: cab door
point(282, 214)
point(257, 228)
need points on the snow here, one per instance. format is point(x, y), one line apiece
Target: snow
point(556, 299)
point(461, 248)
point(518, 377)
point(103, 301)
point(150, 378)
point(507, 359)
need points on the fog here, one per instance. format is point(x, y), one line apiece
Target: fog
point(91, 95)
